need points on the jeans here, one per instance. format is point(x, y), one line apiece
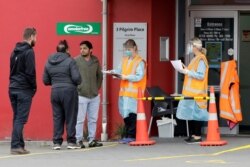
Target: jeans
point(90, 107)
point(65, 106)
point(21, 103)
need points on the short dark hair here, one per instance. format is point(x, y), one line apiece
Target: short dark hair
point(87, 43)
point(62, 46)
point(28, 32)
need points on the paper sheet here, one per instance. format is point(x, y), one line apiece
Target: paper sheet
point(177, 64)
point(112, 73)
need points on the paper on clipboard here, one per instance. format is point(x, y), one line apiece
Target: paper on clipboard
point(177, 64)
point(112, 73)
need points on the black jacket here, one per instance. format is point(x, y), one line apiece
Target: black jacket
point(61, 71)
point(22, 68)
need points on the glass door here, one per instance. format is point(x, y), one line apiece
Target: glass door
point(218, 32)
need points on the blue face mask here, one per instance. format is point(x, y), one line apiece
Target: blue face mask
point(128, 53)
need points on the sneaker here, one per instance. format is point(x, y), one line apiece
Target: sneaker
point(123, 140)
point(94, 143)
point(188, 139)
point(19, 151)
point(194, 141)
point(56, 147)
point(80, 144)
point(73, 146)
point(127, 140)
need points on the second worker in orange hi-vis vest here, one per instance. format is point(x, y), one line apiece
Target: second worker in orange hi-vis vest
point(230, 108)
point(132, 71)
point(195, 84)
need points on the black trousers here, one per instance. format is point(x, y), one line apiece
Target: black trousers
point(195, 127)
point(20, 103)
point(130, 125)
point(65, 108)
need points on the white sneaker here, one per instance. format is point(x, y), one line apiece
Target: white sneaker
point(73, 146)
point(56, 147)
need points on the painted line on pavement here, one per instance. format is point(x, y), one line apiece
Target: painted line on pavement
point(232, 150)
point(191, 155)
point(57, 152)
point(213, 161)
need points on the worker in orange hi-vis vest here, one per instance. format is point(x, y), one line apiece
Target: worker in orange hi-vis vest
point(195, 84)
point(132, 72)
point(229, 98)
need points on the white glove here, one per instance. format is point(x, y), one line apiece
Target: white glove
point(184, 71)
point(124, 77)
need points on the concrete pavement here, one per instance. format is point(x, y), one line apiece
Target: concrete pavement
point(166, 152)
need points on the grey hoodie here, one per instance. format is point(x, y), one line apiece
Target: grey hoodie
point(61, 71)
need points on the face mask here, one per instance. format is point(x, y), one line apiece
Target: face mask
point(189, 48)
point(128, 53)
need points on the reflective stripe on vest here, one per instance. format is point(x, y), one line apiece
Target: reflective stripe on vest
point(212, 116)
point(194, 91)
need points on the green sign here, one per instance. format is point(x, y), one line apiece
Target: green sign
point(78, 28)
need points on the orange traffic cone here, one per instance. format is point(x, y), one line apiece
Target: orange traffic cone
point(141, 125)
point(213, 131)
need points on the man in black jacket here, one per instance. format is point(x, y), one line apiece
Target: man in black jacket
point(62, 73)
point(22, 87)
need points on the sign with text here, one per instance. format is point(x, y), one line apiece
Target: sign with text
point(124, 31)
point(217, 35)
point(78, 28)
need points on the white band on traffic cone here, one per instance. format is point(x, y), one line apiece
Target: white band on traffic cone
point(141, 116)
point(212, 99)
point(212, 117)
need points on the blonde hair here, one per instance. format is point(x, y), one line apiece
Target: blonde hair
point(130, 43)
point(198, 44)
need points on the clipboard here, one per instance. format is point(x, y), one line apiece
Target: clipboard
point(112, 73)
point(178, 65)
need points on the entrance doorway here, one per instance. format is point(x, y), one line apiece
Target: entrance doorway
point(218, 31)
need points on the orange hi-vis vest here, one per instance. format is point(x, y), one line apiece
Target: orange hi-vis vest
point(230, 108)
point(127, 88)
point(193, 87)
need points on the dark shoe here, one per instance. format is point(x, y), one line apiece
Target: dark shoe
point(19, 151)
point(56, 147)
point(94, 143)
point(73, 146)
point(129, 139)
point(194, 141)
point(80, 144)
point(123, 140)
point(188, 139)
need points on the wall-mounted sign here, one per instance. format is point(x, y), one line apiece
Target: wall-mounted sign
point(78, 28)
point(124, 31)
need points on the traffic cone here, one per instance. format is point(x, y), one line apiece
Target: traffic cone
point(213, 131)
point(141, 125)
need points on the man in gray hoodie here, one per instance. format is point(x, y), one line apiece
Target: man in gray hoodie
point(62, 73)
